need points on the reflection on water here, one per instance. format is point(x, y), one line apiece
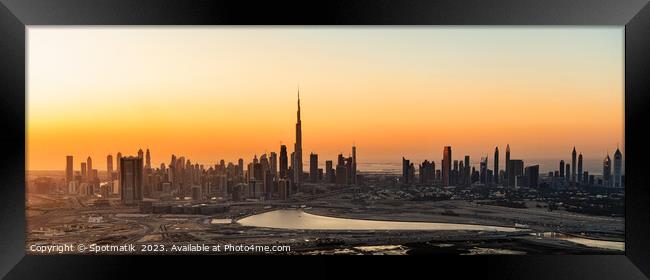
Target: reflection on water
point(220, 221)
point(611, 245)
point(493, 251)
point(298, 219)
point(383, 249)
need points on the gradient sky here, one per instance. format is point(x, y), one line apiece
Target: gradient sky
point(228, 92)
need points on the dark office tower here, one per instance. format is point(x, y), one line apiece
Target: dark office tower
point(264, 163)
point(454, 173)
point(69, 170)
point(297, 168)
point(411, 173)
point(508, 165)
point(340, 170)
point(354, 165)
point(496, 165)
point(348, 170)
point(329, 172)
point(446, 165)
point(405, 170)
point(618, 168)
point(89, 170)
point(118, 159)
point(313, 167)
point(483, 171)
point(422, 172)
point(140, 154)
point(579, 174)
point(132, 179)
point(607, 171)
point(290, 174)
point(562, 168)
point(147, 156)
point(461, 173)
point(516, 167)
point(567, 173)
point(109, 167)
point(284, 162)
point(573, 165)
point(585, 177)
point(532, 174)
point(240, 166)
point(84, 172)
point(468, 174)
point(427, 173)
point(273, 161)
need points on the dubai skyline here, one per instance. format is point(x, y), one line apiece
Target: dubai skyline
point(542, 93)
point(308, 141)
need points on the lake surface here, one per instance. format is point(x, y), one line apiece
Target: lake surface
point(298, 219)
point(611, 245)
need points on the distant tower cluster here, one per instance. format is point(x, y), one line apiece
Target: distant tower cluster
point(573, 175)
point(462, 173)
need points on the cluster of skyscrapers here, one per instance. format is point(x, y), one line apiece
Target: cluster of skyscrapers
point(515, 174)
point(266, 177)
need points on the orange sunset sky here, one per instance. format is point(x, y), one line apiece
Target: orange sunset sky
point(211, 93)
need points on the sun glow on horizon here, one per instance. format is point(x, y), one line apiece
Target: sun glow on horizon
point(230, 92)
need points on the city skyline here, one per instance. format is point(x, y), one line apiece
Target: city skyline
point(543, 93)
point(296, 160)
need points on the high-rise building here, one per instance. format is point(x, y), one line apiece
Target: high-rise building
point(446, 165)
point(329, 172)
point(567, 172)
point(297, 168)
point(132, 179)
point(427, 173)
point(607, 171)
point(468, 174)
point(618, 168)
point(354, 164)
point(496, 165)
point(573, 165)
point(283, 189)
point(531, 173)
point(313, 167)
point(69, 170)
point(240, 167)
point(109, 167)
point(284, 162)
point(89, 169)
point(562, 168)
point(140, 154)
point(341, 175)
point(516, 167)
point(348, 171)
point(118, 160)
point(483, 170)
point(411, 173)
point(147, 159)
point(273, 161)
point(405, 170)
point(84, 172)
point(461, 173)
point(508, 165)
point(579, 174)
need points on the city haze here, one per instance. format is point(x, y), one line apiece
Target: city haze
point(229, 92)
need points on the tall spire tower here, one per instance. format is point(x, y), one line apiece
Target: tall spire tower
point(297, 173)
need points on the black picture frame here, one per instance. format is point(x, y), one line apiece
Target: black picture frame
point(15, 15)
